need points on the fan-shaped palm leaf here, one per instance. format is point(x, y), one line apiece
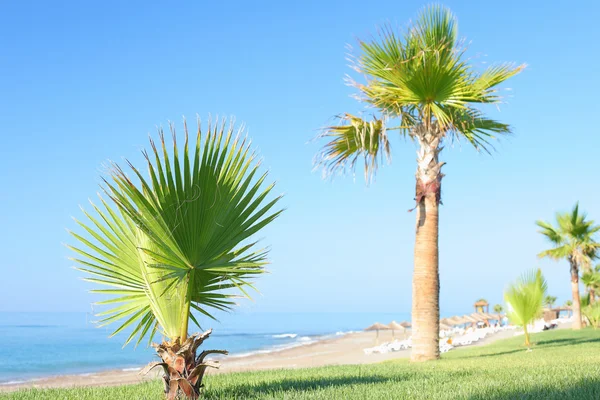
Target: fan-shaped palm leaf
point(524, 299)
point(353, 139)
point(177, 242)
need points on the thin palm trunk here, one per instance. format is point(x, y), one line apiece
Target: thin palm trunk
point(592, 295)
point(426, 280)
point(575, 289)
point(526, 333)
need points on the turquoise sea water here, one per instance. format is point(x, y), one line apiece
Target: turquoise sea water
point(38, 345)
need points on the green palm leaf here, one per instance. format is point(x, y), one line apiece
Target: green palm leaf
point(178, 240)
point(353, 139)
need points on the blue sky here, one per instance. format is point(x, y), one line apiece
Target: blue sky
point(82, 82)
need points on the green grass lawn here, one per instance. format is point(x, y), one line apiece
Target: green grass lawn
point(563, 365)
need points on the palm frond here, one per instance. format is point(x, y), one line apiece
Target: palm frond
point(484, 85)
point(352, 140)
point(178, 239)
point(477, 129)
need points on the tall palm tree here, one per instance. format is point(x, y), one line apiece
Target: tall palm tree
point(423, 81)
point(524, 300)
point(569, 303)
point(498, 310)
point(591, 280)
point(549, 301)
point(173, 246)
point(573, 239)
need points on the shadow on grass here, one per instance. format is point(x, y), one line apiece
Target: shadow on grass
point(496, 354)
point(284, 387)
point(539, 344)
point(243, 391)
point(565, 342)
point(582, 390)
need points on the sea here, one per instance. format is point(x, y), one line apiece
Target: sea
point(40, 345)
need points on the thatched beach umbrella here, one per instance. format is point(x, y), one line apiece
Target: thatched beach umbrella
point(480, 318)
point(456, 320)
point(377, 327)
point(406, 324)
point(470, 319)
point(444, 327)
point(394, 326)
point(490, 316)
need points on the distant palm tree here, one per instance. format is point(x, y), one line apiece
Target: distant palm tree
point(524, 300)
point(569, 303)
point(573, 239)
point(549, 301)
point(591, 280)
point(422, 79)
point(498, 310)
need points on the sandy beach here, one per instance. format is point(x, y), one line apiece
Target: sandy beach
point(347, 349)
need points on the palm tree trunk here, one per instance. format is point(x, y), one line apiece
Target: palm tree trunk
point(592, 295)
point(575, 290)
point(526, 333)
point(426, 280)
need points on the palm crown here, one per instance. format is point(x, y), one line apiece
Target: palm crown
point(591, 277)
point(573, 238)
point(549, 300)
point(422, 79)
point(175, 243)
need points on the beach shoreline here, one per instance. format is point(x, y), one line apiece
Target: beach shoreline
point(341, 350)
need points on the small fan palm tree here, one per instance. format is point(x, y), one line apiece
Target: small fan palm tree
point(422, 80)
point(549, 301)
point(573, 238)
point(172, 247)
point(591, 280)
point(524, 300)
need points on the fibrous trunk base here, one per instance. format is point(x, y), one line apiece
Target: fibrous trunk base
point(183, 370)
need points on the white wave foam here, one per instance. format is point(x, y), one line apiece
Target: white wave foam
point(12, 382)
point(302, 341)
point(130, 369)
point(285, 335)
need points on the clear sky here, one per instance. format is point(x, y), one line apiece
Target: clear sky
point(84, 82)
